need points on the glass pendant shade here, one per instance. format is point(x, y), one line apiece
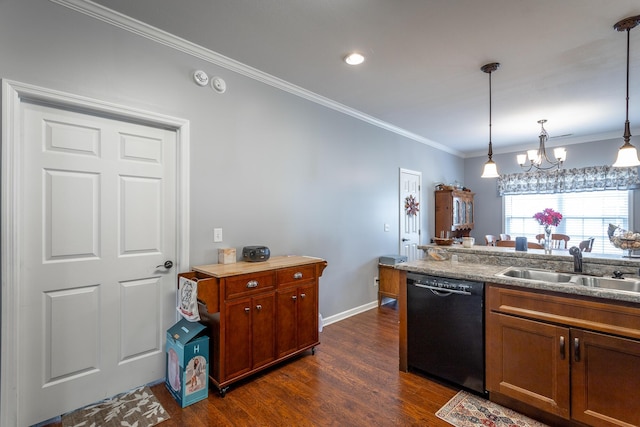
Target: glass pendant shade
point(534, 156)
point(560, 154)
point(490, 170)
point(522, 158)
point(627, 157)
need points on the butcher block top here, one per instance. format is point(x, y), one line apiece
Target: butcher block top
point(244, 267)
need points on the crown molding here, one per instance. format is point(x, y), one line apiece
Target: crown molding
point(157, 35)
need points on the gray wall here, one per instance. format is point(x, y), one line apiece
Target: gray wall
point(267, 166)
point(488, 207)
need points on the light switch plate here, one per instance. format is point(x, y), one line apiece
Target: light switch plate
point(217, 235)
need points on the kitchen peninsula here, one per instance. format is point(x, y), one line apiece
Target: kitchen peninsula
point(561, 352)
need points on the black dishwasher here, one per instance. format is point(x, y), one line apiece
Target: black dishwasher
point(445, 329)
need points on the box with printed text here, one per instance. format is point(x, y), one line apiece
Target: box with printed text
point(187, 373)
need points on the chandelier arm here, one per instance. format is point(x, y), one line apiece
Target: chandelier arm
point(542, 154)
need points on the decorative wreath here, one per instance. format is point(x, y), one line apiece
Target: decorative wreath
point(411, 206)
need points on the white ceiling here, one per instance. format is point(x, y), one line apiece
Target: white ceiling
point(561, 60)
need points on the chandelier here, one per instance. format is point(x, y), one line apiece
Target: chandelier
point(539, 159)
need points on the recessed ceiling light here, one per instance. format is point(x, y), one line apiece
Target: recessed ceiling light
point(354, 59)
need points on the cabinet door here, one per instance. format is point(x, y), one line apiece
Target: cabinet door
point(263, 329)
point(605, 377)
point(286, 321)
point(238, 338)
point(528, 361)
point(307, 315)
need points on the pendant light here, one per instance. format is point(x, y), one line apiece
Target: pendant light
point(627, 155)
point(490, 169)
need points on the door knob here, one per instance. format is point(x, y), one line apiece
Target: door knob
point(167, 265)
point(405, 240)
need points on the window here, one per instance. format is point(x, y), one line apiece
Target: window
point(585, 214)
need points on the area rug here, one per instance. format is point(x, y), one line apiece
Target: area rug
point(467, 410)
point(135, 408)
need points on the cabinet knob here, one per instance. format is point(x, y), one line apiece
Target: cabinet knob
point(258, 307)
point(247, 309)
point(252, 284)
point(294, 297)
point(303, 295)
point(297, 275)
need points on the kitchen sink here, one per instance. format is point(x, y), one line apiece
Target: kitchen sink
point(623, 284)
point(534, 274)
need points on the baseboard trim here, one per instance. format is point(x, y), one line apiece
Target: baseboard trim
point(351, 312)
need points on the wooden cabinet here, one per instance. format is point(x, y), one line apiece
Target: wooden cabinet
point(253, 337)
point(574, 358)
point(388, 282)
point(297, 322)
point(258, 313)
point(454, 212)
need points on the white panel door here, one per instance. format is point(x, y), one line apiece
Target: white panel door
point(410, 222)
point(99, 222)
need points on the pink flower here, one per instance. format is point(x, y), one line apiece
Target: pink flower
point(548, 217)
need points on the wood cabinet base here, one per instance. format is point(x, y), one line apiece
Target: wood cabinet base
point(258, 313)
point(571, 358)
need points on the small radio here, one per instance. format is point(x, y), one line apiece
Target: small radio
point(255, 253)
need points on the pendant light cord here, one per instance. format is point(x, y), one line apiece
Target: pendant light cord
point(490, 147)
point(627, 126)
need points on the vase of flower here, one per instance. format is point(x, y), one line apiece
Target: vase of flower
point(547, 239)
point(548, 218)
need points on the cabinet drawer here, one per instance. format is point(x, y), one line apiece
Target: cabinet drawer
point(293, 275)
point(249, 284)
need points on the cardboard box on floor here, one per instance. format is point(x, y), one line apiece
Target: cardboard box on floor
point(187, 373)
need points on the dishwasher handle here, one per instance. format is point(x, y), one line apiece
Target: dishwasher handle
point(446, 292)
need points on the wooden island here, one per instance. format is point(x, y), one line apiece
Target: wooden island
point(258, 313)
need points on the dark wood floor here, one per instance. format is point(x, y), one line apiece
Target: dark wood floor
point(352, 380)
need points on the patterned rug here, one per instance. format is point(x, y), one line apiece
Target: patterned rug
point(467, 410)
point(135, 408)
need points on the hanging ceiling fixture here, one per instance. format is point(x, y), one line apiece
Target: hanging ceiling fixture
point(627, 155)
point(490, 169)
point(537, 157)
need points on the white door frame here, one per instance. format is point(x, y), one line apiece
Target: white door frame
point(13, 93)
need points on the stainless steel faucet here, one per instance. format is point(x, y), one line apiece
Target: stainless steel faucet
point(577, 259)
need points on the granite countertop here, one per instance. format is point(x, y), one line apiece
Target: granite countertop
point(486, 272)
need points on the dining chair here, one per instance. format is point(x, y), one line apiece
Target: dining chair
point(505, 237)
point(512, 244)
point(587, 245)
point(490, 240)
point(558, 241)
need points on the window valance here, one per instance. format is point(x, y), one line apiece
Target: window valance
point(575, 180)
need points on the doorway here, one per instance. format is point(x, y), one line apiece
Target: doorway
point(410, 213)
point(95, 200)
